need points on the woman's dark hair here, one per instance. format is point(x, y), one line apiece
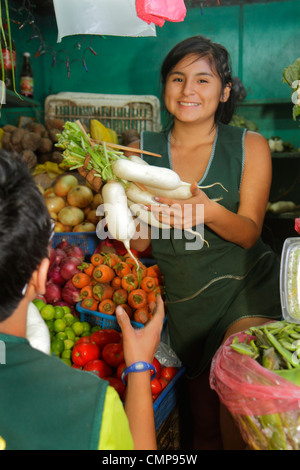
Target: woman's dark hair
point(219, 59)
point(25, 228)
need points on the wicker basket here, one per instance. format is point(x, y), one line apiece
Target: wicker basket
point(117, 112)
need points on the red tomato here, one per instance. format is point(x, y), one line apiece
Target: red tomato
point(163, 382)
point(117, 384)
point(76, 367)
point(120, 371)
point(158, 368)
point(85, 352)
point(103, 337)
point(83, 340)
point(156, 387)
point(113, 354)
point(99, 368)
point(169, 373)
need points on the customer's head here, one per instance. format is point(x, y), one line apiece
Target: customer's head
point(25, 229)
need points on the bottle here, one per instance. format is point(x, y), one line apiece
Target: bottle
point(9, 60)
point(26, 77)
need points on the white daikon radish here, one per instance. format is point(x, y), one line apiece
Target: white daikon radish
point(138, 195)
point(183, 191)
point(135, 158)
point(120, 222)
point(146, 174)
point(149, 218)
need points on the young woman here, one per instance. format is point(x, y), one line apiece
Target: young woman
point(230, 283)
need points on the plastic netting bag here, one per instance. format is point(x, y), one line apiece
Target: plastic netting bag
point(265, 406)
point(158, 11)
point(100, 17)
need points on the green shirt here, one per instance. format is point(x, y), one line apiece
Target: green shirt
point(47, 405)
point(211, 287)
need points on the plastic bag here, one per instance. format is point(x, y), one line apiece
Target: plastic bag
point(100, 17)
point(265, 406)
point(166, 356)
point(158, 11)
point(37, 331)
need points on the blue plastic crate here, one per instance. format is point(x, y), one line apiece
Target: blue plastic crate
point(101, 319)
point(166, 401)
point(87, 241)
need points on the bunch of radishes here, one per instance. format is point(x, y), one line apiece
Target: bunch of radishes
point(65, 261)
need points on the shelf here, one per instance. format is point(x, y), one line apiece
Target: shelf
point(285, 155)
point(266, 102)
point(14, 101)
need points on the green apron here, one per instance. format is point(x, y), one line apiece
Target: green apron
point(210, 288)
point(45, 404)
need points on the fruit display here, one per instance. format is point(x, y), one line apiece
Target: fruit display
point(92, 349)
point(72, 205)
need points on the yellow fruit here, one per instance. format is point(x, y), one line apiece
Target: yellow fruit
point(99, 131)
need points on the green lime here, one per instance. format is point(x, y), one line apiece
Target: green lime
point(77, 328)
point(59, 312)
point(61, 335)
point(66, 309)
point(50, 324)
point(66, 361)
point(95, 328)
point(66, 354)
point(48, 312)
point(39, 303)
point(59, 325)
point(69, 319)
point(70, 333)
point(57, 347)
point(68, 344)
point(86, 327)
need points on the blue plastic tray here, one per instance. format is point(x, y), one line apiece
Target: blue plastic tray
point(87, 241)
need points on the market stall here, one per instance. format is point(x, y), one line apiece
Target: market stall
point(71, 113)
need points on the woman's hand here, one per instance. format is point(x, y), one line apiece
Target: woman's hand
point(181, 213)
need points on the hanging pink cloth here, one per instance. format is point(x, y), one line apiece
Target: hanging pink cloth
point(159, 11)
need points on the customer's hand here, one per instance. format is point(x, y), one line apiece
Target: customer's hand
point(140, 344)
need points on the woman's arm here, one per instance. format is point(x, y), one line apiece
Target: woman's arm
point(243, 228)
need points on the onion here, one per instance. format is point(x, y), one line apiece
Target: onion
point(85, 227)
point(52, 257)
point(70, 216)
point(55, 204)
point(75, 251)
point(68, 267)
point(55, 276)
point(70, 293)
point(80, 196)
point(59, 256)
point(65, 184)
point(53, 293)
point(63, 244)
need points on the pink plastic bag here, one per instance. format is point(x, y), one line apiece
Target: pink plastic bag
point(158, 11)
point(265, 406)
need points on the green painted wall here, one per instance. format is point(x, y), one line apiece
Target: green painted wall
point(261, 38)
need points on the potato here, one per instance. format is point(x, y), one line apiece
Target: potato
point(17, 135)
point(45, 146)
point(30, 158)
point(6, 141)
point(53, 134)
point(9, 128)
point(31, 141)
point(36, 127)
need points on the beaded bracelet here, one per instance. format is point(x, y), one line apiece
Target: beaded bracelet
point(139, 367)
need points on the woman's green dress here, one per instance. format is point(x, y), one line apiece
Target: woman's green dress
point(210, 288)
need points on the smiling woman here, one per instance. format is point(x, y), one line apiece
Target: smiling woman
point(212, 289)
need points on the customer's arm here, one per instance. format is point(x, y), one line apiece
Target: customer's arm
point(141, 345)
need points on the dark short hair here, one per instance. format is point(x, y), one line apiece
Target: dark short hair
point(219, 58)
point(25, 228)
